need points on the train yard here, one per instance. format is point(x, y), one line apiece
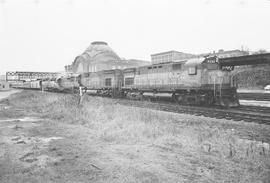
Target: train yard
point(134, 91)
point(128, 130)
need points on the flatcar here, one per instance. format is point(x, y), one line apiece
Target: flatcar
point(35, 84)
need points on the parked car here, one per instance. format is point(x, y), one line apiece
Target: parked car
point(267, 88)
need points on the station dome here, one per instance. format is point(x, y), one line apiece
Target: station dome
point(97, 52)
point(100, 51)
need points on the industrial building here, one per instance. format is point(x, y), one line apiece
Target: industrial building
point(176, 56)
point(170, 56)
point(4, 85)
point(24, 75)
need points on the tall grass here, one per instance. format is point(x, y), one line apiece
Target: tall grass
point(211, 143)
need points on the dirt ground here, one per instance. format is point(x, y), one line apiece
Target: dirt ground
point(6, 93)
point(47, 137)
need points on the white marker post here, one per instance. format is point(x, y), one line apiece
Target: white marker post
point(81, 95)
point(81, 92)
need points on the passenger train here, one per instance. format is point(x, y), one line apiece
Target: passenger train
point(197, 81)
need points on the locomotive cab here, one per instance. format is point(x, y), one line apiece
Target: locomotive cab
point(219, 82)
point(196, 81)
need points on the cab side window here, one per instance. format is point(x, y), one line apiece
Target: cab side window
point(192, 70)
point(108, 82)
point(129, 81)
point(177, 66)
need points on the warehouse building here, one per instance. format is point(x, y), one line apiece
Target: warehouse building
point(170, 56)
point(25, 75)
point(4, 85)
point(176, 56)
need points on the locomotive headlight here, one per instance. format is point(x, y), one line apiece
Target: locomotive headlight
point(219, 74)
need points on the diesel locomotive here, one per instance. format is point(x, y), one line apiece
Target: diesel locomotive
point(197, 81)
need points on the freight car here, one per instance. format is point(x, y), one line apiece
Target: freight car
point(198, 81)
point(62, 84)
point(35, 85)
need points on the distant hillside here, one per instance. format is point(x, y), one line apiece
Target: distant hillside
point(252, 77)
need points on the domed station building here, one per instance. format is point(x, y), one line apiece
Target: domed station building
point(99, 56)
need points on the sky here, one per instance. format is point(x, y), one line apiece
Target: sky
point(46, 35)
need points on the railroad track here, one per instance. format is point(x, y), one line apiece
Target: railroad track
point(255, 109)
point(255, 114)
point(254, 96)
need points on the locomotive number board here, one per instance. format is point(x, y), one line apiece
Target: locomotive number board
point(212, 60)
point(227, 68)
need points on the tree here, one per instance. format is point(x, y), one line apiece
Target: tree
point(261, 51)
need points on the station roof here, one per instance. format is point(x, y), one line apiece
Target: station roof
point(162, 53)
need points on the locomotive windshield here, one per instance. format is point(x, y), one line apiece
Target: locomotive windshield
point(212, 63)
point(212, 66)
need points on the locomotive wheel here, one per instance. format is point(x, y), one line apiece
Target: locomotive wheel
point(181, 99)
point(209, 100)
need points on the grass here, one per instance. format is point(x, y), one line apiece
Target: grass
point(166, 146)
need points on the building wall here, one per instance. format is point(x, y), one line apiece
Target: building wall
point(4, 85)
point(19, 76)
point(170, 56)
point(120, 64)
point(232, 53)
point(99, 56)
point(174, 56)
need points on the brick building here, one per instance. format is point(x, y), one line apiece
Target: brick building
point(4, 85)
